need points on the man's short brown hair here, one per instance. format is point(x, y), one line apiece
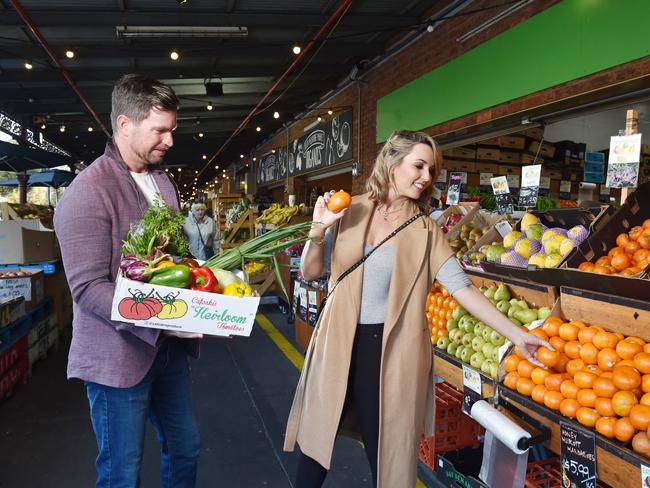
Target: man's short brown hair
point(135, 96)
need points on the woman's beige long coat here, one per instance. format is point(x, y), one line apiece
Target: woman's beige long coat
point(406, 396)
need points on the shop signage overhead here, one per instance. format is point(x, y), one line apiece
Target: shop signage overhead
point(326, 144)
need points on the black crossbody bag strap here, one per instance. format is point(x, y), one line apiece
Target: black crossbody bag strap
point(363, 259)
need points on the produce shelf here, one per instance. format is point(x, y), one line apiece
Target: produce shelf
point(616, 464)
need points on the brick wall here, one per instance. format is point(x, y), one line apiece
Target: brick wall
point(436, 49)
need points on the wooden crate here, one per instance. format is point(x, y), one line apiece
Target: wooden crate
point(546, 150)
point(630, 317)
point(512, 142)
point(488, 153)
point(554, 174)
point(527, 158)
point(466, 152)
point(224, 201)
point(8, 213)
point(535, 294)
point(451, 165)
point(487, 168)
point(510, 157)
point(534, 133)
point(246, 221)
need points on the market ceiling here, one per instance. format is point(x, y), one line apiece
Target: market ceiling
point(247, 46)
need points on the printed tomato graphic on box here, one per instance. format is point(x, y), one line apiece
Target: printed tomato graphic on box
point(179, 309)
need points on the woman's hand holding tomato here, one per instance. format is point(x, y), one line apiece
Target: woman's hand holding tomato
point(330, 207)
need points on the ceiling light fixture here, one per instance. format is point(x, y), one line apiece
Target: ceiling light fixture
point(28, 65)
point(209, 107)
point(329, 112)
point(296, 49)
point(200, 134)
point(273, 151)
point(319, 118)
point(90, 129)
point(174, 55)
point(204, 157)
point(179, 170)
point(62, 128)
point(258, 129)
point(180, 31)
point(276, 115)
point(42, 126)
point(241, 156)
point(216, 167)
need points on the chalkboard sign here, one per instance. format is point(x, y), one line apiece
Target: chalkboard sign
point(326, 144)
point(578, 459)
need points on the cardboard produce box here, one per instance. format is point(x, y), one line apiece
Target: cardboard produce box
point(27, 241)
point(29, 286)
point(164, 307)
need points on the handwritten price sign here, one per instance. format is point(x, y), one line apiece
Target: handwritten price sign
point(578, 448)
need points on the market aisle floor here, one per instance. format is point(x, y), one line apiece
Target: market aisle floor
point(242, 388)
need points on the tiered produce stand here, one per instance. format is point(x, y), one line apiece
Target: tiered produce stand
point(599, 383)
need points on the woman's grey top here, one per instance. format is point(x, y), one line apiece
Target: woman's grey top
point(377, 273)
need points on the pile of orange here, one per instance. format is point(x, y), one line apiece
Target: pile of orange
point(598, 377)
point(438, 310)
point(630, 256)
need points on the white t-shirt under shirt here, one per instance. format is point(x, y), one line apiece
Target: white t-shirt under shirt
point(147, 185)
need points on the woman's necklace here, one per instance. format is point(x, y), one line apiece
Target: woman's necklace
point(385, 212)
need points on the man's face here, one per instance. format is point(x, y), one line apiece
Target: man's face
point(150, 139)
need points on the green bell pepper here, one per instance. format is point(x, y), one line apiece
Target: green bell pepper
point(177, 276)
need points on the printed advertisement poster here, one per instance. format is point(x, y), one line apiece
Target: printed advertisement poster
point(623, 164)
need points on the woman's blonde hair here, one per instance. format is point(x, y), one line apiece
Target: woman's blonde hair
point(400, 144)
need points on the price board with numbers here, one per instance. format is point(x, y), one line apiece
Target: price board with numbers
point(471, 388)
point(578, 456)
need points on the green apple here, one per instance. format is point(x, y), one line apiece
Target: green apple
point(497, 339)
point(455, 334)
point(478, 328)
point(467, 339)
point(488, 349)
point(470, 324)
point(459, 351)
point(485, 333)
point(458, 313)
point(476, 360)
point(494, 370)
point(495, 355)
point(489, 293)
point(466, 354)
point(443, 343)
point(452, 348)
point(451, 325)
point(477, 343)
point(486, 366)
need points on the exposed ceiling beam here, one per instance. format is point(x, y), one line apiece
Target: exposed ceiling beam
point(50, 18)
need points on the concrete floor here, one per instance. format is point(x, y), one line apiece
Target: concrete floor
point(243, 390)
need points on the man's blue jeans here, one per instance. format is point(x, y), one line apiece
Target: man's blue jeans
point(119, 416)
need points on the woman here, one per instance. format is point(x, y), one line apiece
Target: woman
point(201, 232)
point(371, 353)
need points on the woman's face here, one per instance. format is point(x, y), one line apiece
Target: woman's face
point(414, 174)
point(199, 213)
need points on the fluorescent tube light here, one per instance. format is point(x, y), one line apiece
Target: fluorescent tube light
point(180, 31)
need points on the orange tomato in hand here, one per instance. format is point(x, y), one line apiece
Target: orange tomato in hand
point(339, 201)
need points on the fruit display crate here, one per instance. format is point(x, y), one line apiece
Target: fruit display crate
point(13, 332)
point(616, 464)
point(452, 430)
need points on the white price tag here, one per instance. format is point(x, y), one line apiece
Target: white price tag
point(565, 186)
point(499, 185)
point(503, 227)
point(513, 180)
point(545, 182)
point(471, 379)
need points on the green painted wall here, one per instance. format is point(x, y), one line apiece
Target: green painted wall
point(570, 40)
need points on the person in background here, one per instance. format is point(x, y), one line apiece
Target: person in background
point(370, 354)
point(130, 373)
point(201, 232)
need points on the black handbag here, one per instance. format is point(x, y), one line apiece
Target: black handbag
point(362, 260)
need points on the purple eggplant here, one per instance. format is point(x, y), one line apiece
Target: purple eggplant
point(138, 271)
point(126, 262)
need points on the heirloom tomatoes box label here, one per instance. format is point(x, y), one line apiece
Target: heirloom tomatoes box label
point(164, 307)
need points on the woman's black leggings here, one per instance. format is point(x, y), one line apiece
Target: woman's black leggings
point(363, 391)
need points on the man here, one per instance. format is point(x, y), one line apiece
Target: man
point(131, 373)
